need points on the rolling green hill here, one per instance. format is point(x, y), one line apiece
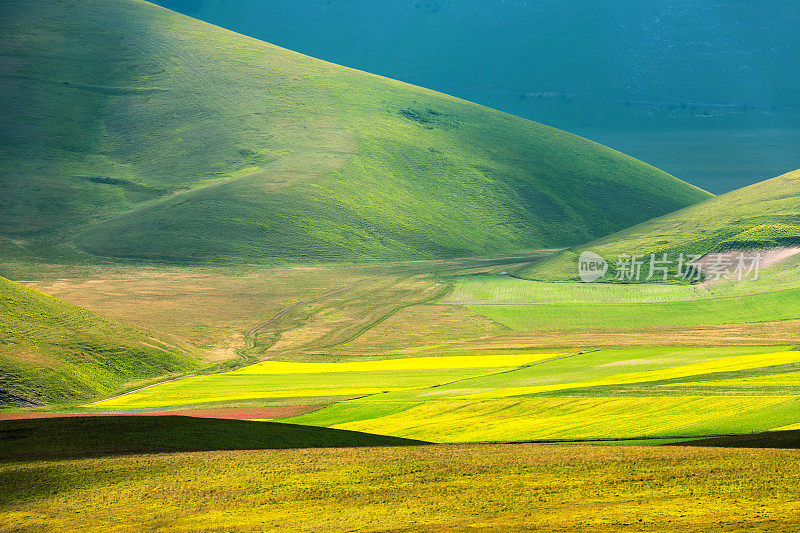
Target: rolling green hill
point(700, 89)
point(761, 216)
point(134, 132)
point(51, 351)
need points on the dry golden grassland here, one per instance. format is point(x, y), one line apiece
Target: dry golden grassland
point(427, 488)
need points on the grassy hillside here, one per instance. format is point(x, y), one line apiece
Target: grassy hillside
point(134, 132)
point(700, 89)
point(51, 351)
point(760, 216)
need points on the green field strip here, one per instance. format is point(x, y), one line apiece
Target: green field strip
point(766, 307)
point(604, 364)
point(772, 379)
point(499, 289)
point(488, 289)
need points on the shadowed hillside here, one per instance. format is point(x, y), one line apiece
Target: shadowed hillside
point(135, 132)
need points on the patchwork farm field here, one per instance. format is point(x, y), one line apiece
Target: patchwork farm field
point(364, 368)
point(608, 394)
point(634, 393)
point(274, 379)
point(446, 336)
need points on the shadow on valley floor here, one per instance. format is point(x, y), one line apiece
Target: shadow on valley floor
point(767, 439)
point(80, 437)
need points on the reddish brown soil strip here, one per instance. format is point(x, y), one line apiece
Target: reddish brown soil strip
point(247, 412)
point(233, 413)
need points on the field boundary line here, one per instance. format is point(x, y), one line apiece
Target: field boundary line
point(446, 289)
point(143, 388)
point(527, 365)
point(250, 334)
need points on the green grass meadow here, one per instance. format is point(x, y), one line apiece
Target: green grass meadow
point(765, 307)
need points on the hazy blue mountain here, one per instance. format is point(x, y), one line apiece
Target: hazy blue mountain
point(722, 72)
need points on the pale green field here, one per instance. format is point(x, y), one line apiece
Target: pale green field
point(525, 305)
point(759, 307)
point(504, 289)
point(711, 366)
point(496, 288)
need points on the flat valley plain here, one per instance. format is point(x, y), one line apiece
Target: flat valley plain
point(421, 350)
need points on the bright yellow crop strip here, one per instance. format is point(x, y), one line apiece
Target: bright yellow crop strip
point(724, 364)
point(215, 388)
point(790, 427)
point(408, 363)
point(134, 401)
